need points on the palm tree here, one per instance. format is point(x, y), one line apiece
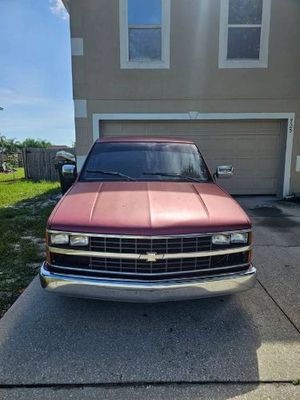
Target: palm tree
point(2, 143)
point(9, 145)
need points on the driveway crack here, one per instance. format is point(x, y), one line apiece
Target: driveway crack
point(137, 384)
point(280, 308)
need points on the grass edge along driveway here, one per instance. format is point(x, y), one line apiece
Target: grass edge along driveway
point(24, 210)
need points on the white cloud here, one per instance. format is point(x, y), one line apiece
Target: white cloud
point(10, 97)
point(57, 8)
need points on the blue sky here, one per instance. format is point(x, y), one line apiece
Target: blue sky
point(35, 71)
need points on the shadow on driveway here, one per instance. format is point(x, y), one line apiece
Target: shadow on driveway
point(48, 339)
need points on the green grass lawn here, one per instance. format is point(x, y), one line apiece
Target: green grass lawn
point(12, 176)
point(24, 210)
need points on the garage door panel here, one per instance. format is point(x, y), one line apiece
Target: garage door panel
point(246, 167)
point(247, 163)
point(245, 186)
point(254, 148)
point(181, 128)
point(242, 147)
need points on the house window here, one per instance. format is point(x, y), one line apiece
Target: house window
point(144, 33)
point(244, 33)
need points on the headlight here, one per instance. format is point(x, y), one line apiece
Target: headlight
point(79, 240)
point(59, 238)
point(221, 239)
point(234, 238)
point(239, 237)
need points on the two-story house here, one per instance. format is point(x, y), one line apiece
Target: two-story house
point(224, 73)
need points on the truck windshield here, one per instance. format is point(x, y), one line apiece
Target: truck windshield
point(145, 162)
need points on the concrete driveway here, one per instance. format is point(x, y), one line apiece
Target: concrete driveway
point(243, 347)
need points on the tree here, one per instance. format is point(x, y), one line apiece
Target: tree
point(36, 143)
point(9, 146)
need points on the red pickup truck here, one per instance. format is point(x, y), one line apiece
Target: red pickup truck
point(145, 221)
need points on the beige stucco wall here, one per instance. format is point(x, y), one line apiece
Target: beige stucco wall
point(194, 82)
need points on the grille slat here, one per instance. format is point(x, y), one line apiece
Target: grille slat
point(112, 268)
point(141, 266)
point(151, 268)
point(141, 246)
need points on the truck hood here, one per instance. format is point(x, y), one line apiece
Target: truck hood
point(147, 208)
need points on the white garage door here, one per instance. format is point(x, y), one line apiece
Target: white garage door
point(254, 148)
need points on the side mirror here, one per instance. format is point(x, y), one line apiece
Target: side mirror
point(224, 171)
point(68, 176)
point(69, 171)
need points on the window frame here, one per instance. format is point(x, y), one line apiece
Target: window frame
point(262, 61)
point(125, 62)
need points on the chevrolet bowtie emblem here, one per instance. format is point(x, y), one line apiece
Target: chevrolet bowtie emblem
point(152, 257)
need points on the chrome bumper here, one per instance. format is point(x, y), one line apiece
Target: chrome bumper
point(144, 292)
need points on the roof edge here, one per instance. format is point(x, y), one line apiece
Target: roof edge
point(66, 3)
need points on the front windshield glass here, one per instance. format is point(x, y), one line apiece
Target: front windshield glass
point(145, 162)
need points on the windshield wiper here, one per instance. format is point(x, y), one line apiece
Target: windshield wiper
point(190, 178)
point(104, 172)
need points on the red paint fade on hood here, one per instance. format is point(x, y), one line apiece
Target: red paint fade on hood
point(147, 208)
